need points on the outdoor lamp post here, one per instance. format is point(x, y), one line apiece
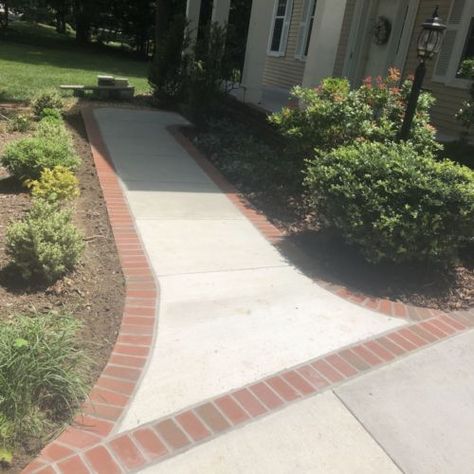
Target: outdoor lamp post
point(429, 44)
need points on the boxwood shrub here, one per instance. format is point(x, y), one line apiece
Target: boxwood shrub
point(392, 203)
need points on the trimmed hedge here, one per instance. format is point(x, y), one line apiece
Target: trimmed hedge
point(392, 203)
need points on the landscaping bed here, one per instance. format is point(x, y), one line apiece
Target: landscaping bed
point(251, 160)
point(93, 293)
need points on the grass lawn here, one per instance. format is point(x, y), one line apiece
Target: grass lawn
point(35, 57)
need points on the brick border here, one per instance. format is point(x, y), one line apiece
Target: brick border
point(167, 437)
point(90, 445)
point(277, 237)
point(113, 391)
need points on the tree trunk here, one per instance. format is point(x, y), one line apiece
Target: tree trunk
point(5, 17)
point(83, 21)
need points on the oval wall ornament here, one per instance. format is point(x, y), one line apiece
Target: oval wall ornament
point(382, 30)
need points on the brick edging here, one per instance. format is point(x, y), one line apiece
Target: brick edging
point(113, 391)
point(174, 434)
point(277, 237)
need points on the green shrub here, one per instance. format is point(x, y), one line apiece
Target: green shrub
point(54, 114)
point(57, 184)
point(47, 100)
point(19, 123)
point(392, 203)
point(51, 146)
point(41, 379)
point(333, 115)
point(168, 71)
point(45, 244)
point(465, 115)
point(53, 129)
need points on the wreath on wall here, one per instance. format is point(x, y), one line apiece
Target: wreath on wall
point(382, 30)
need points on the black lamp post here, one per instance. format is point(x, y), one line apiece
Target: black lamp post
point(429, 44)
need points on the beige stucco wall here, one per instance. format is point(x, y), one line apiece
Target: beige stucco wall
point(287, 71)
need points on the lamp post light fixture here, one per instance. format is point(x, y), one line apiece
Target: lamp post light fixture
point(429, 44)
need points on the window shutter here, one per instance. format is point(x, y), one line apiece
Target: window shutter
point(445, 56)
point(302, 30)
point(286, 27)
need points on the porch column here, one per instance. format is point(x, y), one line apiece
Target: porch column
point(193, 10)
point(220, 12)
point(256, 51)
point(324, 42)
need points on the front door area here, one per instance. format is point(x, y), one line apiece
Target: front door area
point(380, 35)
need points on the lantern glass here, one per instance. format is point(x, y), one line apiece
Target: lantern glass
point(429, 43)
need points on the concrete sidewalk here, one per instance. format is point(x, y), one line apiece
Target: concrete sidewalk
point(232, 309)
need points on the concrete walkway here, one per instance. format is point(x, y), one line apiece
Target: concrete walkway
point(232, 309)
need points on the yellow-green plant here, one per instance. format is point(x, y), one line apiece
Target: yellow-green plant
point(56, 184)
point(45, 244)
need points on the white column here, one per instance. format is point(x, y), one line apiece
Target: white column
point(325, 36)
point(256, 51)
point(220, 12)
point(193, 10)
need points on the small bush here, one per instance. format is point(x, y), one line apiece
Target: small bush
point(19, 123)
point(40, 375)
point(51, 114)
point(333, 115)
point(53, 129)
point(57, 184)
point(45, 244)
point(47, 100)
point(51, 146)
point(392, 203)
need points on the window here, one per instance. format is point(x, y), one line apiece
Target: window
point(468, 51)
point(281, 24)
point(306, 27)
point(458, 43)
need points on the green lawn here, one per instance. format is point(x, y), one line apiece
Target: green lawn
point(35, 57)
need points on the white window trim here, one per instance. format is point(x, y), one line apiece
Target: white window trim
point(304, 24)
point(450, 79)
point(286, 29)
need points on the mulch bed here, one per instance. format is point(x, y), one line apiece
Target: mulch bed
point(94, 293)
point(332, 260)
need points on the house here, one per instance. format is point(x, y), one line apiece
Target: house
point(294, 42)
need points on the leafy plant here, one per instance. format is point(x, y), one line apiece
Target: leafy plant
point(54, 114)
point(19, 123)
point(466, 113)
point(333, 115)
point(57, 184)
point(41, 375)
point(49, 99)
point(45, 244)
point(393, 203)
point(50, 146)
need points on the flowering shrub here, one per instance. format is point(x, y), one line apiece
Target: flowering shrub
point(332, 115)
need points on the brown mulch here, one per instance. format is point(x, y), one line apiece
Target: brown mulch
point(94, 293)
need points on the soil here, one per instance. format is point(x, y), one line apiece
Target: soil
point(332, 260)
point(94, 293)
